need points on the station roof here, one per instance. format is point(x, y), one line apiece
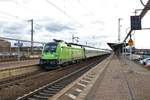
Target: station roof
point(115, 46)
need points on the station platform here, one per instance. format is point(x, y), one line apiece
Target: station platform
point(115, 78)
point(14, 64)
point(123, 80)
point(14, 68)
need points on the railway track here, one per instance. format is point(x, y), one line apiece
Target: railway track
point(11, 90)
point(43, 93)
point(18, 79)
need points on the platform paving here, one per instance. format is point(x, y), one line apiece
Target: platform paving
point(115, 78)
point(16, 68)
point(122, 80)
point(14, 64)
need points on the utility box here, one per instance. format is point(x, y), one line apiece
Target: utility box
point(135, 22)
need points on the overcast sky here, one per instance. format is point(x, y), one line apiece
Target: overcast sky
point(93, 21)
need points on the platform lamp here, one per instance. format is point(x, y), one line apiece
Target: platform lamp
point(119, 29)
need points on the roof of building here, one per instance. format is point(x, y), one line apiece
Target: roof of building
point(4, 43)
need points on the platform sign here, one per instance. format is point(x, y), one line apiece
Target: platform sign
point(130, 42)
point(18, 44)
point(135, 22)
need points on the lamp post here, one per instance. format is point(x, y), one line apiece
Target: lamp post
point(31, 35)
point(119, 26)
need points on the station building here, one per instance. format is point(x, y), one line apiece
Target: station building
point(4, 45)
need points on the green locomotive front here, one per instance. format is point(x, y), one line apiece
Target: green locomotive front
point(60, 53)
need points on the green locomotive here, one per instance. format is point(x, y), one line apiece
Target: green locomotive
point(60, 53)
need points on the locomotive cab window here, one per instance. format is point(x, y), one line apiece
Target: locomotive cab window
point(50, 47)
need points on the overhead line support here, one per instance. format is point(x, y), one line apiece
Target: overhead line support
point(144, 11)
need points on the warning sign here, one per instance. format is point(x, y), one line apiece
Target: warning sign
point(130, 42)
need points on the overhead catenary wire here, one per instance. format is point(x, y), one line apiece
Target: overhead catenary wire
point(65, 13)
point(90, 11)
point(16, 17)
point(144, 4)
point(5, 17)
point(144, 11)
point(21, 40)
point(10, 15)
point(79, 1)
point(17, 3)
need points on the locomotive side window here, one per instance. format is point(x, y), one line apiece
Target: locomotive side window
point(50, 47)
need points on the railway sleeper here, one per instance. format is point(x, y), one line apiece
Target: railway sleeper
point(44, 94)
point(32, 99)
point(46, 91)
point(57, 86)
point(53, 89)
point(35, 99)
point(41, 97)
point(52, 92)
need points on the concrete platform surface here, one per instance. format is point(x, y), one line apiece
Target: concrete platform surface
point(14, 64)
point(14, 68)
point(122, 80)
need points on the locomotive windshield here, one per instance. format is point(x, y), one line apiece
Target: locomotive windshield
point(50, 47)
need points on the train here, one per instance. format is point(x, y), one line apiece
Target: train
point(61, 53)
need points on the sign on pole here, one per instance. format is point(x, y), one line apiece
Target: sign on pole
point(135, 22)
point(130, 42)
point(18, 44)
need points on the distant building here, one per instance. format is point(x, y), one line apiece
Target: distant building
point(4, 45)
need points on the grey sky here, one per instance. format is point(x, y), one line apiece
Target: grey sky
point(99, 19)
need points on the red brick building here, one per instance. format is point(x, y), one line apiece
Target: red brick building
point(4, 45)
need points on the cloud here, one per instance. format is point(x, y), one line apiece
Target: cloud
point(54, 27)
point(97, 22)
point(48, 25)
point(14, 28)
